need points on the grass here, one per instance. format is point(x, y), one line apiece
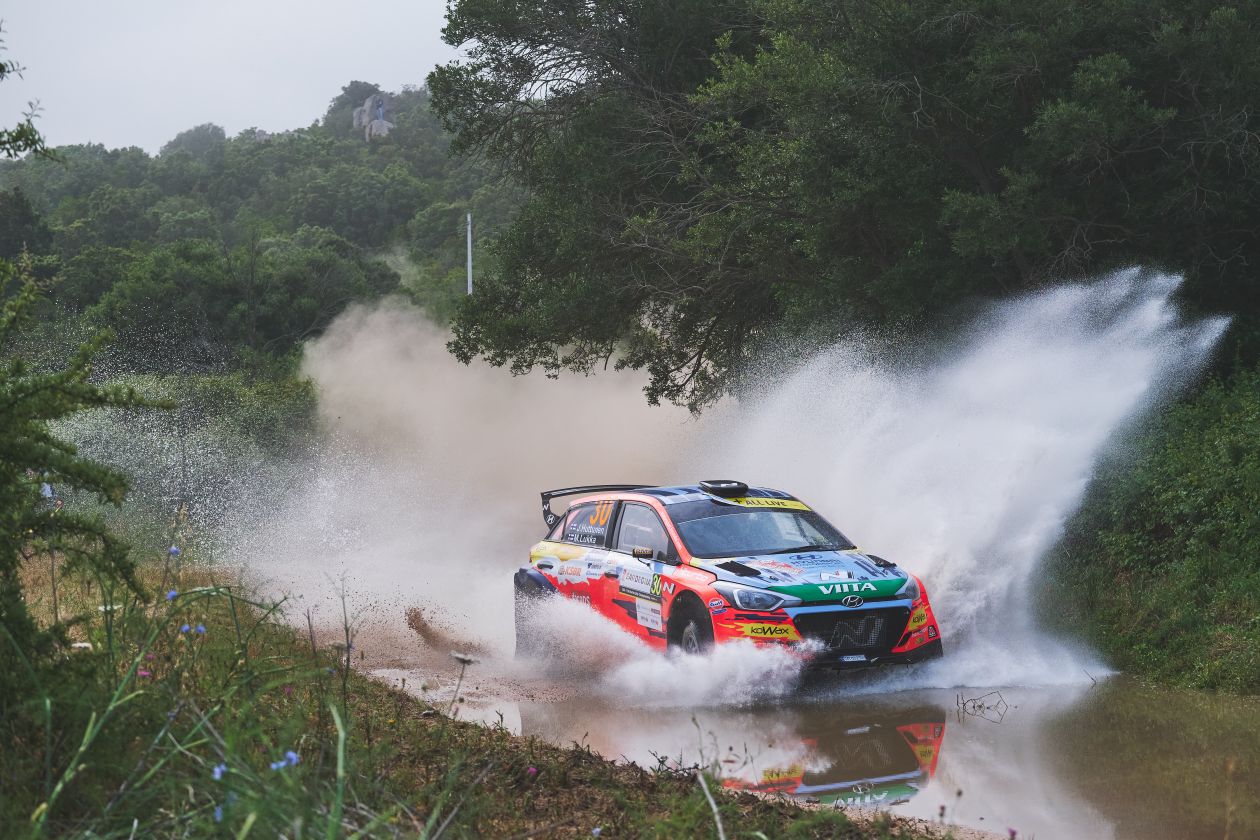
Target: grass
point(199, 713)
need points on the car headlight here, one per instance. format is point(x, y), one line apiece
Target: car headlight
point(759, 600)
point(910, 590)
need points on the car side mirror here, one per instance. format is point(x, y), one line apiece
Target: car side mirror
point(667, 557)
point(642, 553)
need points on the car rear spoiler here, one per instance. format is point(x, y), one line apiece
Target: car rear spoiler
point(548, 495)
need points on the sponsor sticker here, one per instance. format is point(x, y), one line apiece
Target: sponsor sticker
point(761, 502)
point(855, 657)
point(647, 613)
point(717, 602)
point(660, 586)
point(634, 580)
point(846, 588)
point(918, 619)
point(571, 573)
point(785, 632)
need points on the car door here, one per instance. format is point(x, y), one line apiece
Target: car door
point(642, 585)
point(580, 554)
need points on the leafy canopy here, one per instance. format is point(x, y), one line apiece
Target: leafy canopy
point(705, 175)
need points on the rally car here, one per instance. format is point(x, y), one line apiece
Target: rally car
point(686, 567)
point(858, 760)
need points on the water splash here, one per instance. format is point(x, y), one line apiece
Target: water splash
point(965, 470)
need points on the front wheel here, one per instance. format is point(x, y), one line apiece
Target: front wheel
point(695, 632)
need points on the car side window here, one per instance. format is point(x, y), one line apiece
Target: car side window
point(588, 524)
point(641, 528)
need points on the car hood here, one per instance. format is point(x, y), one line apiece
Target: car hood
point(813, 575)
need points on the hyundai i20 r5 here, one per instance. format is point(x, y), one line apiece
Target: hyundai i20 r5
point(687, 567)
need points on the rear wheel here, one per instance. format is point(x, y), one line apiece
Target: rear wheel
point(693, 631)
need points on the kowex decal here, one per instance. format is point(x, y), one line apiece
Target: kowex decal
point(784, 632)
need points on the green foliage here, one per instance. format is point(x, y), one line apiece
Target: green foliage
point(31, 459)
point(703, 174)
point(137, 236)
point(1161, 561)
point(21, 228)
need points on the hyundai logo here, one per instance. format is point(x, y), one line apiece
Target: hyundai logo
point(852, 601)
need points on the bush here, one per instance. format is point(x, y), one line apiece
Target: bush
point(1163, 561)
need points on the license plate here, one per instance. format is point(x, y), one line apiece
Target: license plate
point(855, 658)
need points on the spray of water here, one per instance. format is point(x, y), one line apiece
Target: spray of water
point(963, 470)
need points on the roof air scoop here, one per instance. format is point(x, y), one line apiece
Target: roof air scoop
point(724, 487)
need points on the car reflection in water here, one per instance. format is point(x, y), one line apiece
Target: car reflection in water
point(872, 756)
point(858, 760)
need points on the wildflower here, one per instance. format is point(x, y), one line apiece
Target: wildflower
point(170, 596)
point(531, 772)
point(201, 629)
point(218, 771)
point(144, 673)
point(597, 830)
point(148, 657)
point(184, 628)
point(174, 551)
point(218, 813)
point(288, 691)
point(290, 760)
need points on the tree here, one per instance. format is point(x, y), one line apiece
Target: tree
point(21, 228)
point(776, 164)
point(30, 457)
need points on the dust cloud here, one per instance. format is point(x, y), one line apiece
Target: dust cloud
point(424, 492)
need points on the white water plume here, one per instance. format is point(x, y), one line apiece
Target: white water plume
point(964, 471)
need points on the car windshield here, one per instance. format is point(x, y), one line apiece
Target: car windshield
point(715, 529)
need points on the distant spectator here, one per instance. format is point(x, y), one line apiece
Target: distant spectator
point(48, 494)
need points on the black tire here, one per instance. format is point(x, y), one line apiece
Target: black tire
point(693, 630)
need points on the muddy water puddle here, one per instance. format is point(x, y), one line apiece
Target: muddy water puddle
point(1112, 760)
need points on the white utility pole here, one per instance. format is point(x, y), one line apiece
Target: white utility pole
point(470, 253)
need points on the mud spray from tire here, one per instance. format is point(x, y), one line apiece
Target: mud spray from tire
point(963, 468)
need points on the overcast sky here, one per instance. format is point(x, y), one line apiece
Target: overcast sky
point(137, 72)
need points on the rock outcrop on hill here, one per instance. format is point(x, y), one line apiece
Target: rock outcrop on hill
point(375, 116)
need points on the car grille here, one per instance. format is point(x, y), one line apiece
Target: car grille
point(858, 631)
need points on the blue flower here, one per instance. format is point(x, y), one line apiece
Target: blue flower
point(170, 596)
point(184, 628)
point(597, 830)
point(219, 770)
point(218, 813)
point(290, 760)
point(201, 628)
point(175, 552)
